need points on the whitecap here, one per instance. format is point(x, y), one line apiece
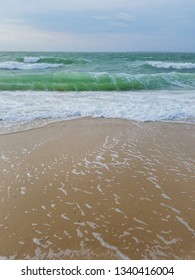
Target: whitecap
point(31, 59)
point(173, 65)
point(13, 65)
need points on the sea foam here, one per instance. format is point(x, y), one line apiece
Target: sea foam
point(174, 65)
point(13, 65)
point(31, 59)
point(43, 107)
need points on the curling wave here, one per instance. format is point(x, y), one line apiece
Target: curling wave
point(97, 81)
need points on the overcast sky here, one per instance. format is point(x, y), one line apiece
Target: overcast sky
point(97, 25)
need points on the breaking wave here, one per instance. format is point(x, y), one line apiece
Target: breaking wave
point(171, 65)
point(53, 60)
point(41, 107)
point(13, 65)
point(96, 81)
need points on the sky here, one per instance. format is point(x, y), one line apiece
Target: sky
point(97, 25)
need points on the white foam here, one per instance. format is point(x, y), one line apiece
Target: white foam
point(110, 247)
point(63, 190)
point(139, 221)
point(13, 65)
point(186, 225)
point(28, 108)
point(136, 239)
point(100, 190)
point(167, 242)
point(117, 198)
point(155, 253)
point(38, 242)
point(166, 196)
point(3, 258)
point(125, 233)
point(92, 225)
point(79, 207)
point(29, 175)
point(31, 59)
point(80, 190)
point(170, 207)
point(74, 171)
point(79, 233)
point(88, 206)
point(121, 212)
point(64, 217)
point(174, 65)
point(8, 258)
point(23, 190)
point(67, 234)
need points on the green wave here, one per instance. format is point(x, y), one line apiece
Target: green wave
point(63, 81)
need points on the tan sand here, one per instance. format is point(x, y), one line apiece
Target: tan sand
point(98, 189)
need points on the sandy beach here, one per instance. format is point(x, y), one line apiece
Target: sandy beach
point(98, 189)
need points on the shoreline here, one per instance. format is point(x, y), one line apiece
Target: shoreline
point(96, 188)
point(53, 122)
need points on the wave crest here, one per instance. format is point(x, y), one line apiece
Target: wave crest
point(13, 65)
point(100, 81)
point(171, 65)
point(55, 60)
point(31, 59)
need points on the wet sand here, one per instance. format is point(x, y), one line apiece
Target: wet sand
point(98, 189)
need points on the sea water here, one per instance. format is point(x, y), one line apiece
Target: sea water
point(38, 88)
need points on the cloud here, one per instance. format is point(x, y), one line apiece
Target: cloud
point(115, 20)
point(95, 24)
point(19, 37)
point(97, 5)
point(126, 17)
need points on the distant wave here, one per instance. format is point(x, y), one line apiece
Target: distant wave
point(96, 81)
point(31, 59)
point(173, 65)
point(13, 65)
point(53, 60)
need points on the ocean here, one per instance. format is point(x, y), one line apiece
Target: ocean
point(98, 187)
point(39, 88)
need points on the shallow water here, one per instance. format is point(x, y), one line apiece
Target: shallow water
point(129, 196)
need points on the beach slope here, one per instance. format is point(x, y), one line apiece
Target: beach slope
point(98, 189)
